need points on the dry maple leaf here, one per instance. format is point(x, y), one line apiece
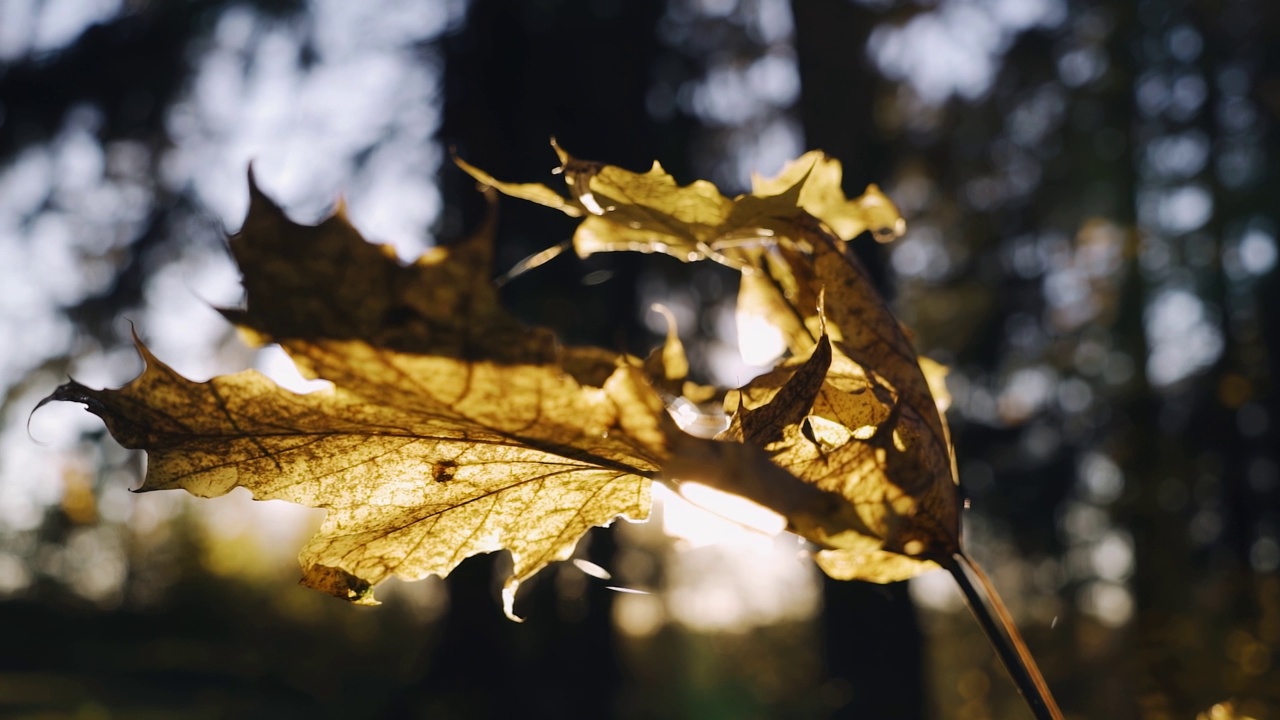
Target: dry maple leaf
point(902, 473)
point(855, 415)
point(858, 418)
point(411, 491)
point(649, 212)
point(451, 429)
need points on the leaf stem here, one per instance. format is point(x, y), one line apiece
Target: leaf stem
point(1003, 634)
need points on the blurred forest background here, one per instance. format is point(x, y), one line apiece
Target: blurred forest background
point(1091, 194)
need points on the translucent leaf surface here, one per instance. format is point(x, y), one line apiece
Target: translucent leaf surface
point(451, 430)
point(857, 417)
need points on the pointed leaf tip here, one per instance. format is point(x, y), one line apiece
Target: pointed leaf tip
point(509, 599)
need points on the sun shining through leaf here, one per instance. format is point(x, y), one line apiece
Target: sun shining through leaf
point(735, 509)
point(859, 422)
point(854, 415)
point(451, 429)
point(760, 342)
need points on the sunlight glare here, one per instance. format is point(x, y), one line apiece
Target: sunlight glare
point(276, 364)
point(759, 341)
point(589, 202)
point(738, 512)
point(244, 537)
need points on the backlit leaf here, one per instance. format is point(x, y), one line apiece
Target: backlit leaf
point(650, 212)
point(901, 475)
point(451, 429)
point(859, 458)
point(411, 491)
point(856, 418)
point(823, 197)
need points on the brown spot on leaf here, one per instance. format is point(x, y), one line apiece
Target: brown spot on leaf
point(443, 470)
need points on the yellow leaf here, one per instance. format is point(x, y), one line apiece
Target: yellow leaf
point(766, 298)
point(650, 212)
point(834, 426)
point(414, 484)
point(533, 192)
point(867, 562)
point(902, 476)
point(645, 211)
point(450, 430)
point(898, 470)
point(326, 281)
point(823, 197)
point(860, 461)
point(667, 365)
point(857, 419)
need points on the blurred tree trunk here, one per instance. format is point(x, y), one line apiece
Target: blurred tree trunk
point(873, 639)
point(515, 76)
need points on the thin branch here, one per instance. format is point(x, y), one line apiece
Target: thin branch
point(1004, 636)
